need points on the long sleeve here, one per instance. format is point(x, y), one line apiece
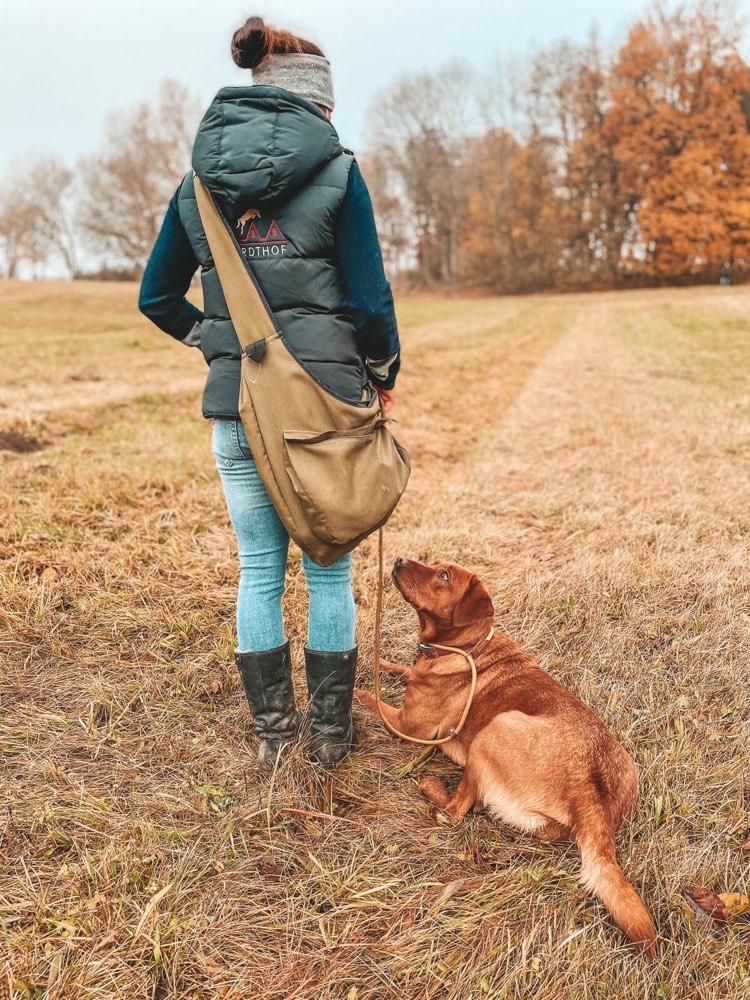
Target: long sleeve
point(167, 278)
point(368, 293)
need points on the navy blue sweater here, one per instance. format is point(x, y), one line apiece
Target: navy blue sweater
point(172, 264)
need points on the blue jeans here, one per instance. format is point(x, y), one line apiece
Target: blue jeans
point(263, 541)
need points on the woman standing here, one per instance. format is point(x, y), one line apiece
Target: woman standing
point(303, 219)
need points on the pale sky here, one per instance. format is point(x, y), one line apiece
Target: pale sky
point(64, 64)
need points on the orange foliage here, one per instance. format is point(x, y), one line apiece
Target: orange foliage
point(680, 135)
point(507, 238)
point(608, 170)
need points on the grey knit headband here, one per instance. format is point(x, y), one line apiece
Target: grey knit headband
point(303, 74)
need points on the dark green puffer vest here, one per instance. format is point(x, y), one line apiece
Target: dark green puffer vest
point(278, 173)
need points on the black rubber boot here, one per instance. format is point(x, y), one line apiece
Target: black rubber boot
point(330, 681)
point(267, 679)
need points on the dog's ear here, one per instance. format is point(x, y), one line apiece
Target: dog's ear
point(474, 605)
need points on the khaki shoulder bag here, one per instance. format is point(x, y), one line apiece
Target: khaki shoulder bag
point(332, 468)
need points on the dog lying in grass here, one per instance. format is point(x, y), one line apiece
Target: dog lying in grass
point(533, 754)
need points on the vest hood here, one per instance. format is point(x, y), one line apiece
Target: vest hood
point(258, 145)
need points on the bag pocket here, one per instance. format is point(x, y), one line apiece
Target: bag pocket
point(348, 482)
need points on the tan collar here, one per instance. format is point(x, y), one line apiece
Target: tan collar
point(433, 650)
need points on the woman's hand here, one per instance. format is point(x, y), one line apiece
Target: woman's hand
point(386, 399)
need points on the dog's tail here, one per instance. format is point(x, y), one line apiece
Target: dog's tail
point(602, 876)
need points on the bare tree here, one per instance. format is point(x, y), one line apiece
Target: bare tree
point(390, 212)
point(501, 96)
point(127, 187)
point(567, 98)
point(21, 239)
point(419, 128)
point(12, 229)
point(49, 187)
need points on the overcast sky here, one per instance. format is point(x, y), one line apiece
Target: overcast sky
point(64, 64)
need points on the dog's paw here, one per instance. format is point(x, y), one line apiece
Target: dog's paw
point(365, 698)
point(432, 788)
point(393, 668)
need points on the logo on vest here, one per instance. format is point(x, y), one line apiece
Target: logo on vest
point(253, 243)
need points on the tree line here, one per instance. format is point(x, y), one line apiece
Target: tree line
point(101, 218)
point(577, 167)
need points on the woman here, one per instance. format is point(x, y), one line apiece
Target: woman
point(303, 219)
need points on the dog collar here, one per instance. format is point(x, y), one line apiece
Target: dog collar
point(433, 651)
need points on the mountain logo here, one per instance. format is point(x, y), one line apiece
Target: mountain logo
point(252, 241)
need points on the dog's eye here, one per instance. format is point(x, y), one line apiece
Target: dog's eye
point(444, 574)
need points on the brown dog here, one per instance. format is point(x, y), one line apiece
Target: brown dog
point(533, 754)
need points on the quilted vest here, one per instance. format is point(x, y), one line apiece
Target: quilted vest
point(278, 174)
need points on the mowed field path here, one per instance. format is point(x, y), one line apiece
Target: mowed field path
point(587, 455)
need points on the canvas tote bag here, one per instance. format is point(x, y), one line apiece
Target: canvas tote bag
point(332, 469)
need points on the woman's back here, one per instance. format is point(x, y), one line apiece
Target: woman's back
point(279, 174)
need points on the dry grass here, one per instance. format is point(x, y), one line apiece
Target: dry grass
point(589, 456)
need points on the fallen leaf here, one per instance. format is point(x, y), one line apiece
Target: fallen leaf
point(55, 971)
point(415, 764)
point(708, 908)
point(735, 904)
point(447, 892)
point(438, 817)
point(150, 907)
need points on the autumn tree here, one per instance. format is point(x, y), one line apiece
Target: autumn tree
point(544, 197)
point(679, 127)
point(568, 101)
point(390, 209)
point(26, 243)
point(418, 131)
point(510, 233)
point(49, 187)
point(16, 225)
point(584, 170)
point(128, 185)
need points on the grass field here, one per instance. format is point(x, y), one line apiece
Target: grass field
point(588, 456)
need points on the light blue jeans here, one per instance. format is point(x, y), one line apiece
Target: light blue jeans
point(263, 542)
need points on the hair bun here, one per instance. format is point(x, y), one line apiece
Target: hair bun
point(250, 43)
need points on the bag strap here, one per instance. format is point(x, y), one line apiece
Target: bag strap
point(251, 316)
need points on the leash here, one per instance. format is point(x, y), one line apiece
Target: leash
point(454, 730)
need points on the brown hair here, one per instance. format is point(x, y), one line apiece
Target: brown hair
point(254, 41)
